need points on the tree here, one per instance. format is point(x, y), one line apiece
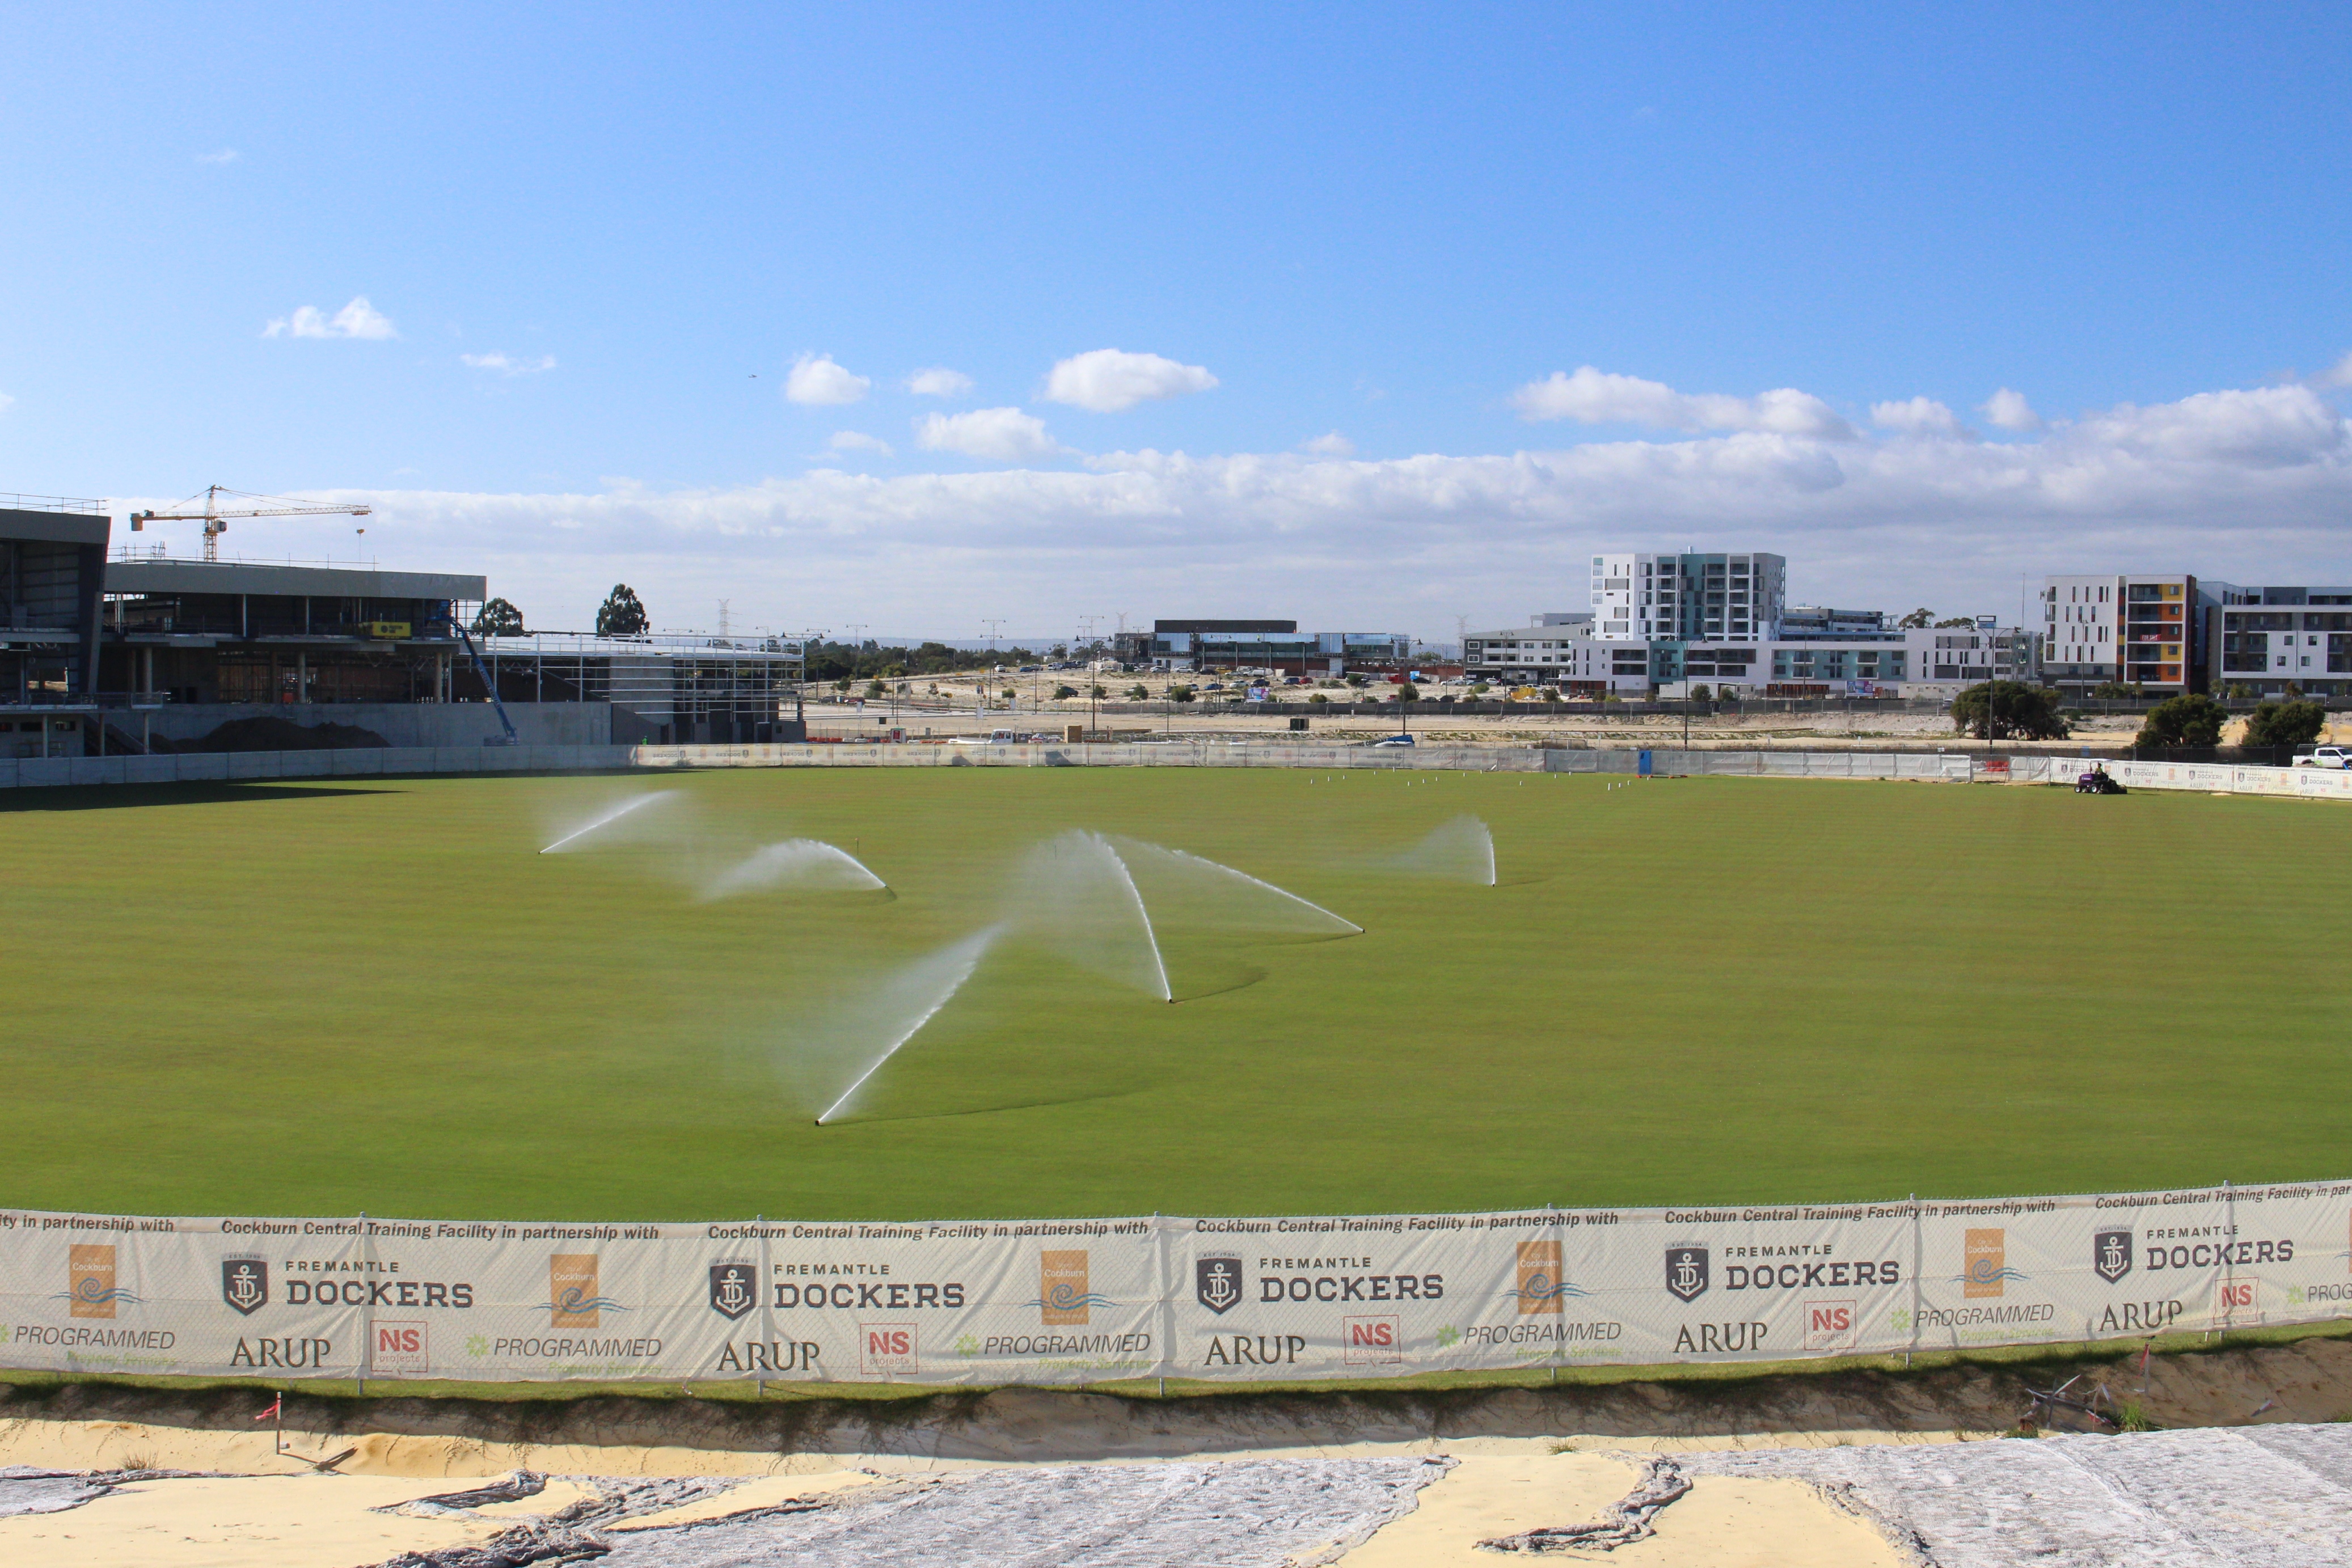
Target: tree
point(1138, 692)
point(1700, 693)
point(1064, 694)
point(498, 618)
point(1179, 694)
point(2192, 719)
point(1317, 698)
point(622, 613)
point(1957, 624)
point(2002, 710)
point(1918, 620)
point(1408, 693)
point(2285, 724)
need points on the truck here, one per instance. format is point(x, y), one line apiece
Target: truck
point(2325, 757)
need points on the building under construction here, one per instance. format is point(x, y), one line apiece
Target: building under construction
point(104, 652)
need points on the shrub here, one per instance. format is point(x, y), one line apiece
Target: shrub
point(2190, 719)
point(1064, 694)
point(2000, 710)
point(1181, 693)
point(2285, 724)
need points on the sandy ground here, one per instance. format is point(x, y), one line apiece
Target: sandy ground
point(1860, 731)
point(2202, 1497)
point(1724, 1522)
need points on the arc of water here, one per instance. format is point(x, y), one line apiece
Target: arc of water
point(773, 862)
point(1259, 881)
point(1134, 897)
point(607, 819)
point(978, 946)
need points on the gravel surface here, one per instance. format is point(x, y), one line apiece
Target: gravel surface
point(2277, 1497)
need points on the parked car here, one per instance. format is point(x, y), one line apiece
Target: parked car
point(1395, 740)
point(2325, 757)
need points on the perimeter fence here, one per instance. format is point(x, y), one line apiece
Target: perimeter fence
point(1087, 1301)
point(2217, 777)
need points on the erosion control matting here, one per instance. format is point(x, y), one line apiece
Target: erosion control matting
point(2253, 1497)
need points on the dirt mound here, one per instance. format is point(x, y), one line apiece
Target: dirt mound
point(2307, 1380)
point(272, 734)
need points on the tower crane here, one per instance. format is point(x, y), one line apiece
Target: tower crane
point(215, 519)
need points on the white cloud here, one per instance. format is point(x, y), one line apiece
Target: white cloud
point(1916, 417)
point(507, 366)
point(1106, 380)
point(1596, 397)
point(2338, 374)
point(357, 319)
point(995, 435)
point(226, 155)
point(816, 379)
point(2008, 411)
point(1333, 445)
point(938, 381)
point(2249, 485)
point(7, 402)
point(859, 440)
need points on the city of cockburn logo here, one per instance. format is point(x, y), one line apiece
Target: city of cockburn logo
point(731, 1289)
point(1062, 1298)
point(2111, 1254)
point(90, 1290)
point(1686, 1272)
point(1217, 1281)
point(244, 1284)
point(1542, 1291)
point(572, 1301)
point(1984, 1264)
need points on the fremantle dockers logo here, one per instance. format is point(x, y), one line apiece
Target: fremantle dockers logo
point(2111, 1254)
point(244, 1284)
point(1217, 1281)
point(1686, 1272)
point(731, 1292)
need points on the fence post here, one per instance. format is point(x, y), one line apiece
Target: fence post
point(767, 1297)
point(1919, 1257)
point(367, 1312)
point(1167, 1297)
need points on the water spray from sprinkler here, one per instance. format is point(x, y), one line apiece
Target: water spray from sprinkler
point(615, 815)
point(955, 966)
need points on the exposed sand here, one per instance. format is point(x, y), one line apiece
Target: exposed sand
point(256, 1521)
point(1721, 1523)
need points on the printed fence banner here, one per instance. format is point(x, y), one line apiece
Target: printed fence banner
point(1253, 1300)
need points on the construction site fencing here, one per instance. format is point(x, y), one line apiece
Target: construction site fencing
point(1090, 1301)
point(2213, 777)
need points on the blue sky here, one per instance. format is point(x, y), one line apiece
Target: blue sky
point(1526, 279)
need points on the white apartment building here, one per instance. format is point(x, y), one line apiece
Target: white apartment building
point(1690, 596)
point(2142, 628)
point(1533, 654)
point(2266, 639)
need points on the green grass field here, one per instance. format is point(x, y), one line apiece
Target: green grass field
point(379, 997)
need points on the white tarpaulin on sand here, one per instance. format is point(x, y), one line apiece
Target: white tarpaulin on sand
point(996, 1301)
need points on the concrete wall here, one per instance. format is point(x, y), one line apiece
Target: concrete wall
point(400, 724)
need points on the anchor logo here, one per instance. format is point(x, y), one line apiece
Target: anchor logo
point(1686, 1272)
point(244, 1284)
point(2111, 1254)
point(1217, 1281)
point(732, 1294)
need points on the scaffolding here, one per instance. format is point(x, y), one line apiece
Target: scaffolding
point(684, 689)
